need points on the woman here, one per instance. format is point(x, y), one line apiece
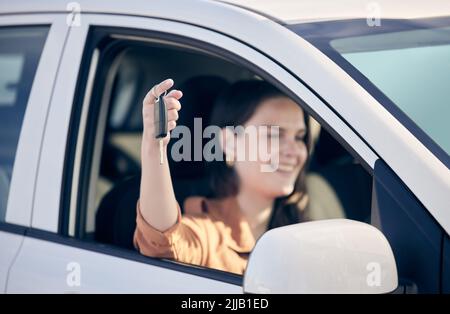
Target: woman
point(219, 232)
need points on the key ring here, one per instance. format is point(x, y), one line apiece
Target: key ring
point(157, 98)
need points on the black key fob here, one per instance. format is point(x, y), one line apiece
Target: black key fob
point(160, 118)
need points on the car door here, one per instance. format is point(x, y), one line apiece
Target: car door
point(30, 49)
point(62, 263)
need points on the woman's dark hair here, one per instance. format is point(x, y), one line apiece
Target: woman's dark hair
point(235, 106)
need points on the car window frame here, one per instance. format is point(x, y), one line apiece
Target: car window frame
point(25, 171)
point(134, 24)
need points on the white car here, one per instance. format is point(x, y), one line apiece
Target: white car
point(374, 75)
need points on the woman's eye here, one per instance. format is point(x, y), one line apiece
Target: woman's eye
point(300, 138)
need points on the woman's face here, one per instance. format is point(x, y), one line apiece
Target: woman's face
point(291, 152)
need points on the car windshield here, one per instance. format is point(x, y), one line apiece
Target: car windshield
point(404, 64)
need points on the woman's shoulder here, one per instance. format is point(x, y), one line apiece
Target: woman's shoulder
point(198, 205)
point(194, 205)
point(202, 211)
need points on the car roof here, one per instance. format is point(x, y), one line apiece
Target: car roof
point(282, 11)
point(302, 11)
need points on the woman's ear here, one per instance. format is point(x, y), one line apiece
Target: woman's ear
point(228, 144)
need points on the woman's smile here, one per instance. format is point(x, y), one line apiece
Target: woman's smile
point(286, 168)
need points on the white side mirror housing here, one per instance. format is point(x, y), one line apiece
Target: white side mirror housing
point(327, 256)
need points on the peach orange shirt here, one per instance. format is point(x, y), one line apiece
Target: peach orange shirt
point(211, 233)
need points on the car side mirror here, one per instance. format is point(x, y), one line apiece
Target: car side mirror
point(327, 256)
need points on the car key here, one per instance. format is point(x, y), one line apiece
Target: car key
point(160, 113)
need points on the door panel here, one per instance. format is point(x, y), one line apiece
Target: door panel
point(60, 268)
point(30, 48)
point(9, 244)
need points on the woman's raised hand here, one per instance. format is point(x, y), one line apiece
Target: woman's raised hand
point(172, 104)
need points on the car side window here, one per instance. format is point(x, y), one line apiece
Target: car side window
point(20, 50)
point(338, 185)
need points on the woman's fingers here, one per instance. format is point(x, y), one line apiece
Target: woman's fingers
point(172, 115)
point(172, 103)
point(157, 90)
point(177, 94)
point(162, 87)
point(171, 125)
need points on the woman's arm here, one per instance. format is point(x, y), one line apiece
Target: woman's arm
point(157, 199)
